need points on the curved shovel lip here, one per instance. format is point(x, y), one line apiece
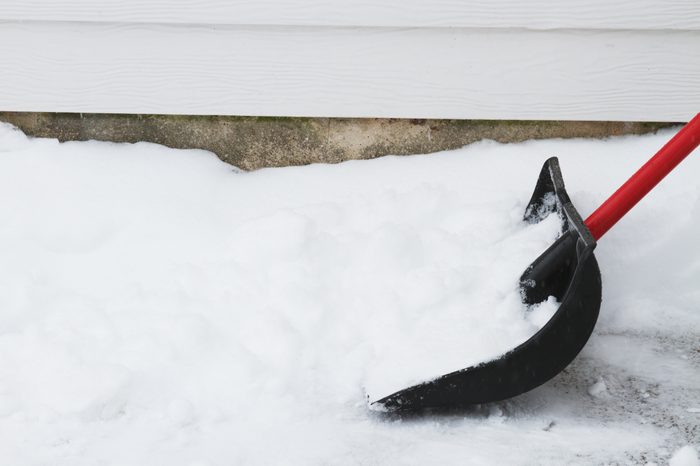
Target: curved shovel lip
point(546, 353)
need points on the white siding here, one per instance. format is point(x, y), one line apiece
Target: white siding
point(589, 60)
point(526, 14)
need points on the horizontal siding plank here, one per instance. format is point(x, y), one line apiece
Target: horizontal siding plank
point(350, 72)
point(530, 14)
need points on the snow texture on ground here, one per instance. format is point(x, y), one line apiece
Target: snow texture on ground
point(160, 307)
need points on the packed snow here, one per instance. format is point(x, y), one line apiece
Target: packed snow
point(686, 456)
point(158, 306)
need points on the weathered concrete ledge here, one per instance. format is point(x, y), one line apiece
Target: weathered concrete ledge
point(256, 142)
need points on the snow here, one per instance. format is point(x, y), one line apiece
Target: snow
point(599, 389)
point(685, 456)
point(161, 307)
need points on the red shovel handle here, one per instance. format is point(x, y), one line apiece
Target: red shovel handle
point(639, 184)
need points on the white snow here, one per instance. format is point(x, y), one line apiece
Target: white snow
point(599, 389)
point(158, 306)
point(685, 456)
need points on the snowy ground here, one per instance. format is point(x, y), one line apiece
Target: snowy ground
point(159, 307)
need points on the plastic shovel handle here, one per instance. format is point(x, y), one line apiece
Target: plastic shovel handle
point(644, 180)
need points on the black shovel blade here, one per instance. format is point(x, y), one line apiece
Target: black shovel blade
point(568, 271)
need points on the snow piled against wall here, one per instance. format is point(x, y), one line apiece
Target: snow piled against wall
point(160, 307)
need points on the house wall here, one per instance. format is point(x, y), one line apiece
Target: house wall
point(590, 60)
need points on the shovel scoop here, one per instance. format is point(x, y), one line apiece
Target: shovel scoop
point(567, 270)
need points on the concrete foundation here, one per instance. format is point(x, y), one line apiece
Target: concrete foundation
point(255, 142)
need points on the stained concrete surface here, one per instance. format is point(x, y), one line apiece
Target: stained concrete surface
point(256, 142)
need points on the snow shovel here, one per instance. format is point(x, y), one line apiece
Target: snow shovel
point(568, 271)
